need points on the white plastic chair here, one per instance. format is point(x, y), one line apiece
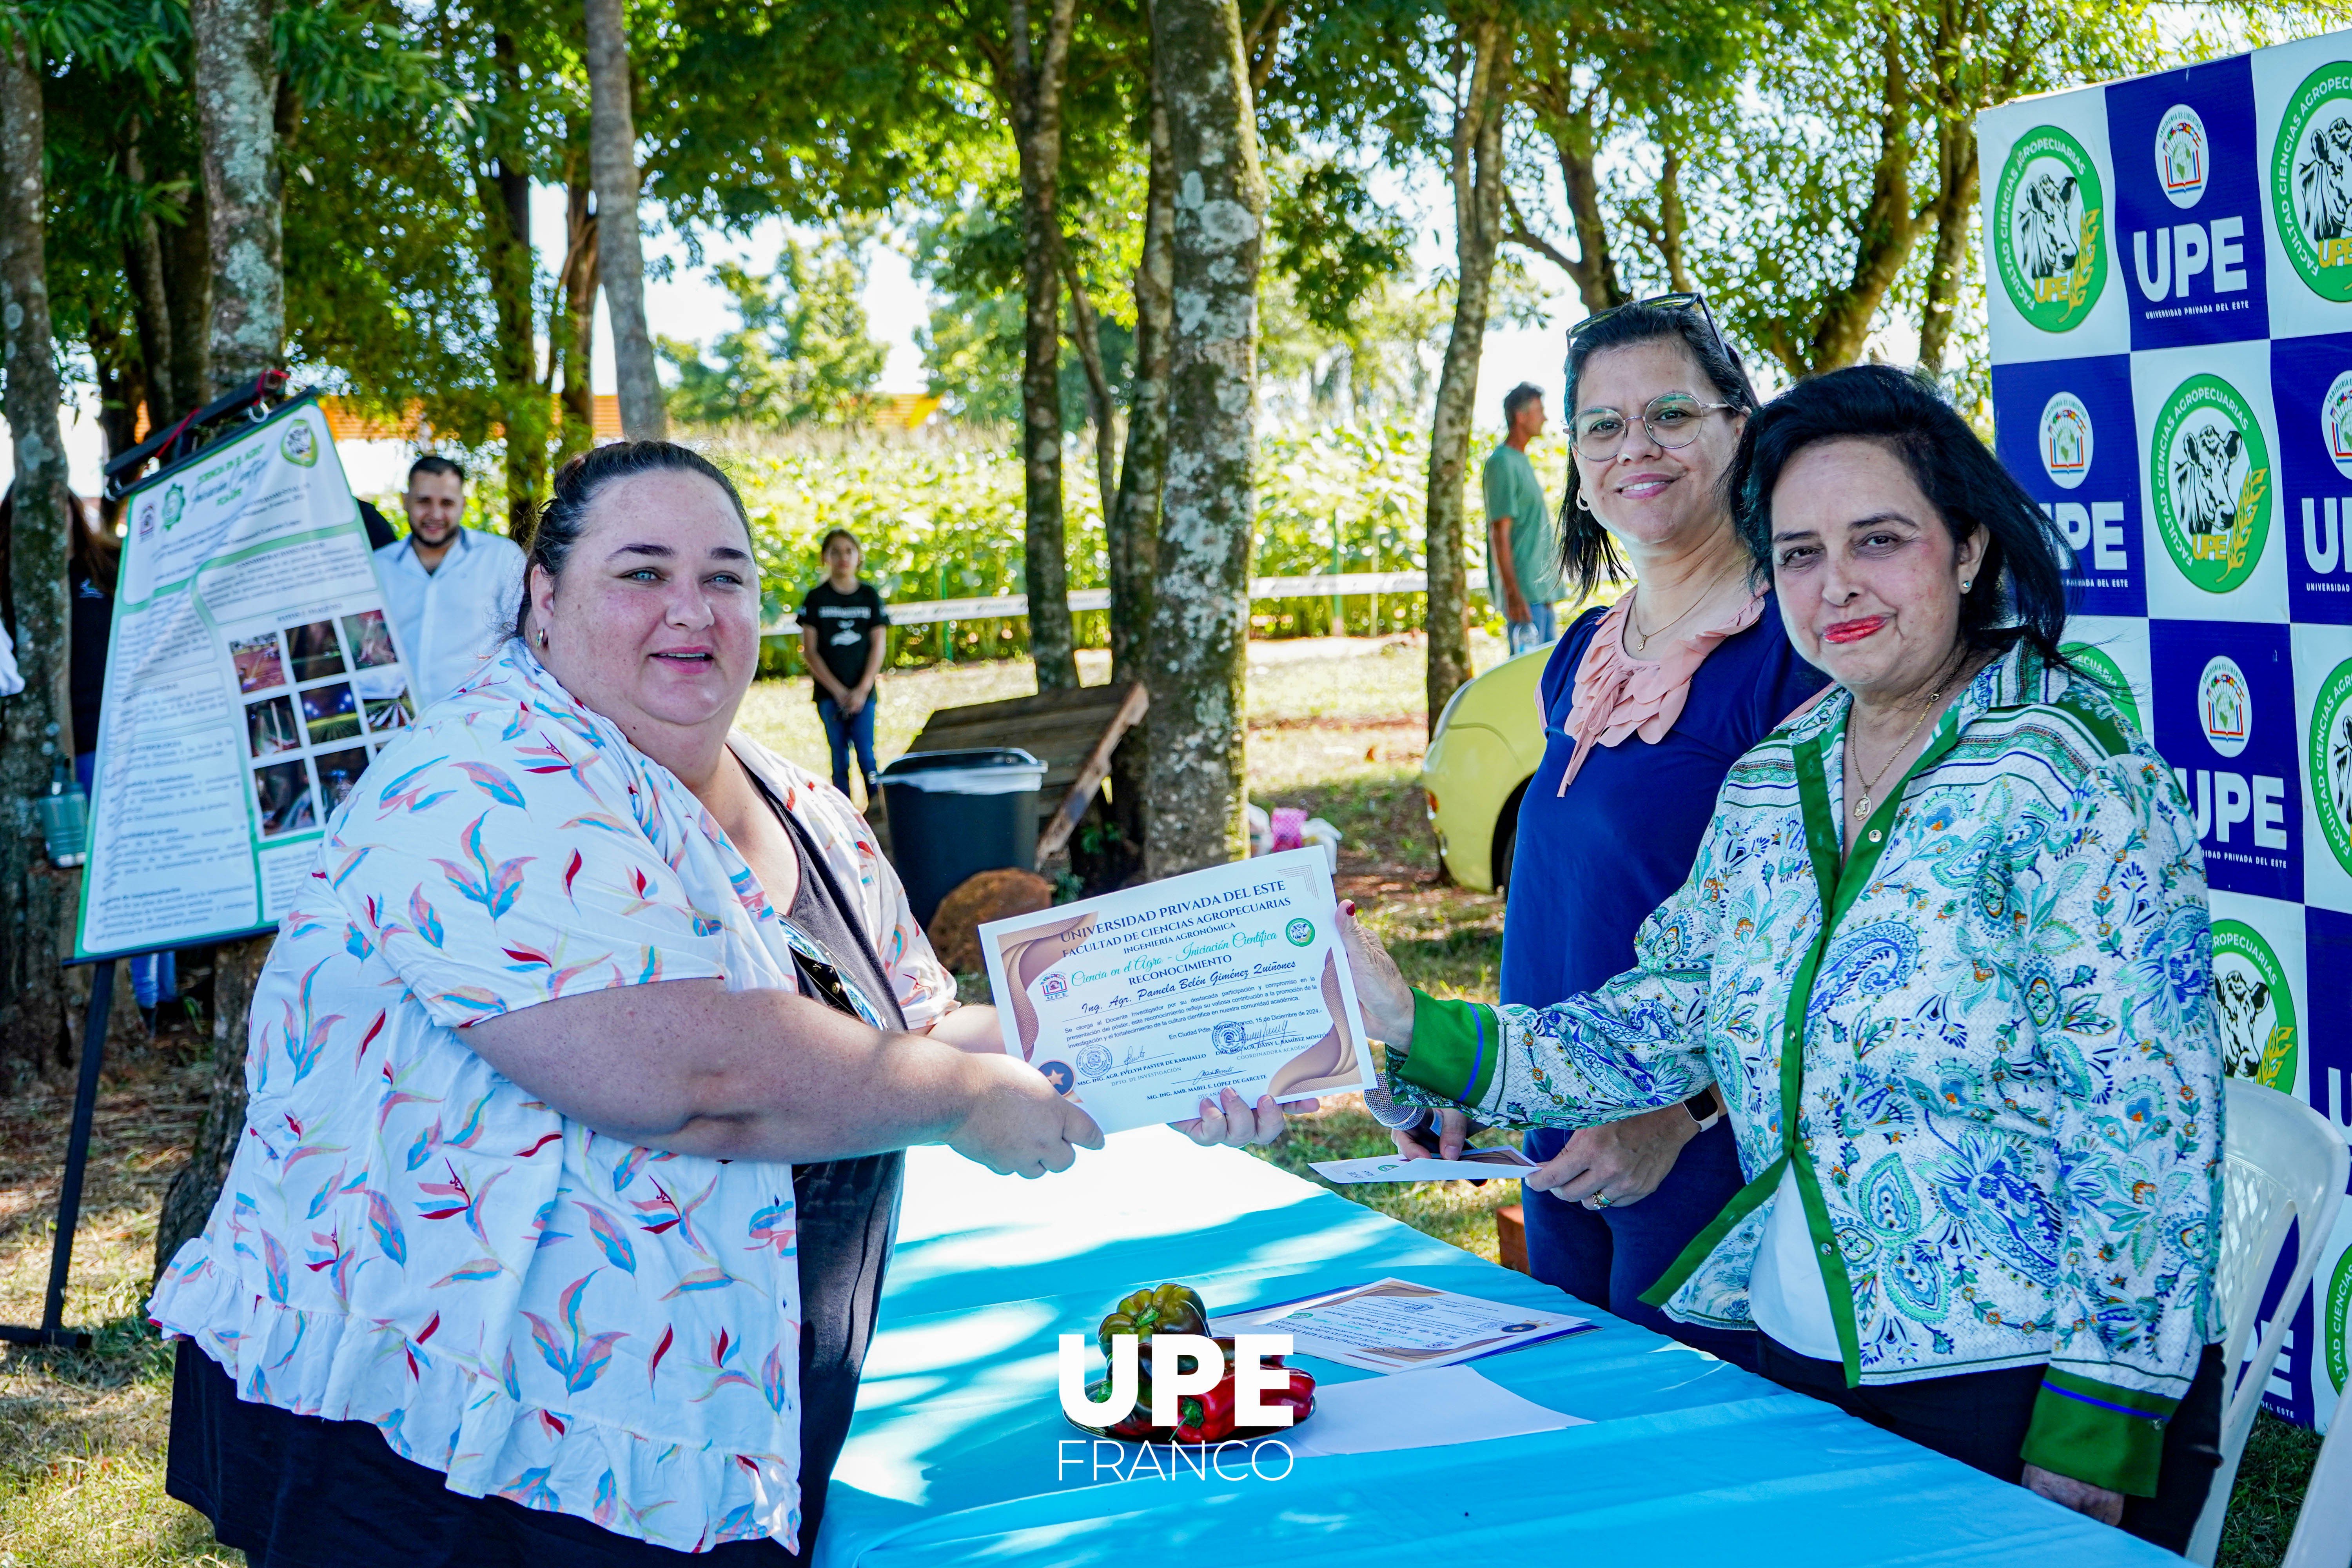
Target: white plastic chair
point(2323, 1531)
point(2284, 1162)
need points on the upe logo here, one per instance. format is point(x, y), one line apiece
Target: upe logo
point(2335, 423)
point(2329, 762)
point(2048, 244)
point(1053, 988)
point(2210, 470)
point(2180, 155)
point(147, 519)
point(2225, 706)
point(2254, 1006)
point(2065, 440)
point(2311, 181)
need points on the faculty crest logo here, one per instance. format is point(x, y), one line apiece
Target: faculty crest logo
point(2180, 155)
point(1300, 932)
point(2065, 440)
point(299, 445)
point(175, 501)
point(2254, 1006)
point(2329, 762)
point(2225, 705)
point(2335, 423)
point(2110, 676)
point(2311, 181)
point(2210, 471)
point(2340, 1307)
point(1053, 988)
point(2048, 242)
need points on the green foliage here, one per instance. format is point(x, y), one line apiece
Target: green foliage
point(1333, 242)
point(801, 353)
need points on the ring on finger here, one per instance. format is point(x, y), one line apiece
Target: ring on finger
point(1599, 1200)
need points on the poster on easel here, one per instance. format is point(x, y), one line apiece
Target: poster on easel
point(251, 676)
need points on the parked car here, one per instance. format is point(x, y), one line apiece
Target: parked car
point(1488, 740)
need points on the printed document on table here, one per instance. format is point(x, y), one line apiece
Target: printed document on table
point(1139, 1004)
point(1396, 1325)
point(1476, 1164)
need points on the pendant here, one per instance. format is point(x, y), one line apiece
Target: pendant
point(1861, 809)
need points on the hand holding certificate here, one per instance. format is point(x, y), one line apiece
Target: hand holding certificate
point(1139, 1005)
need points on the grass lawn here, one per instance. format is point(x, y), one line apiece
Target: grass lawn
point(1335, 726)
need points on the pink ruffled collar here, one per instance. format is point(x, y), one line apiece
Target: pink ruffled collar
point(1618, 695)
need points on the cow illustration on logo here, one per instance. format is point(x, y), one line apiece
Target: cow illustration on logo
point(2180, 155)
point(2103, 668)
point(299, 445)
point(2254, 1006)
point(2225, 705)
point(2047, 239)
point(2210, 470)
point(2065, 440)
point(2311, 181)
point(2328, 763)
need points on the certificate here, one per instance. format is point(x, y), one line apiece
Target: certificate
point(1396, 1325)
point(1138, 1004)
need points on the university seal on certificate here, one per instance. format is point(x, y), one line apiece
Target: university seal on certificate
point(1144, 1002)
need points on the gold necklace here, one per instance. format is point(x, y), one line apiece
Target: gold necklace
point(1648, 637)
point(1870, 787)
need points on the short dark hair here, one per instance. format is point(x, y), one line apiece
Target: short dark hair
point(1518, 397)
point(435, 463)
point(1588, 556)
point(833, 533)
point(564, 517)
point(2020, 585)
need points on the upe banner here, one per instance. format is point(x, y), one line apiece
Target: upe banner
point(2168, 263)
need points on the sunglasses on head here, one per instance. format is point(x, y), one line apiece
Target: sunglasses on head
point(1687, 300)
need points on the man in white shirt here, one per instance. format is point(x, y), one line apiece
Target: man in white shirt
point(449, 591)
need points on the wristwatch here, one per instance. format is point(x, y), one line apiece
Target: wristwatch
point(1706, 1108)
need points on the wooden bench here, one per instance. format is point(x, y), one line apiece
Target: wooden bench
point(1072, 733)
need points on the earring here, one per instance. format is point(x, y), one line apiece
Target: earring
point(543, 639)
point(1966, 584)
point(1582, 504)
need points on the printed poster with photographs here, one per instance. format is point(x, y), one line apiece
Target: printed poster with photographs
point(251, 679)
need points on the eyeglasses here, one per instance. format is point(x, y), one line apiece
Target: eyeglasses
point(1688, 300)
point(824, 978)
point(1672, 420)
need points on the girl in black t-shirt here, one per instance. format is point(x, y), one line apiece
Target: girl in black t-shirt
point(842, 636)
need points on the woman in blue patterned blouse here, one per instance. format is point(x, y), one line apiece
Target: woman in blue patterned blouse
point(1945, 950)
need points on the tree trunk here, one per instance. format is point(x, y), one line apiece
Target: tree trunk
point(573, 335)
point(1956, 204)
point(1478, 180)
point(1036, 83)
point(237, 104)
point(504, 196)
point(195, 1186)
point(1131, 533)
point(1199, 650)
point(613, 169)
point(36, 901)
point(188, 299)
point(1085, 336)
point(143, 270)
point(1889, 229)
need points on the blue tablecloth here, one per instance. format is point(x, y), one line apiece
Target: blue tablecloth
point(953, 1457)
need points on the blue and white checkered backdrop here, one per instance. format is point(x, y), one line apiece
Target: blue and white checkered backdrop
point(2169, 282)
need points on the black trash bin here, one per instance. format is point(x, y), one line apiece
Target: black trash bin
point(955, 813)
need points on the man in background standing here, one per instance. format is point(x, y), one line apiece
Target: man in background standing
point(1522, 544)
point(449, 590)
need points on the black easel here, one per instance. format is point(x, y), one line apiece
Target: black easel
point(177, 444)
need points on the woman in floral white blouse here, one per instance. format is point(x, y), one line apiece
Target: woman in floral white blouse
point(1945, 951)
point(576, 1082)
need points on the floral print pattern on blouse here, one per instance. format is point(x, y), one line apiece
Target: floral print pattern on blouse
point(408, 1238)
point(1984, 1039)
